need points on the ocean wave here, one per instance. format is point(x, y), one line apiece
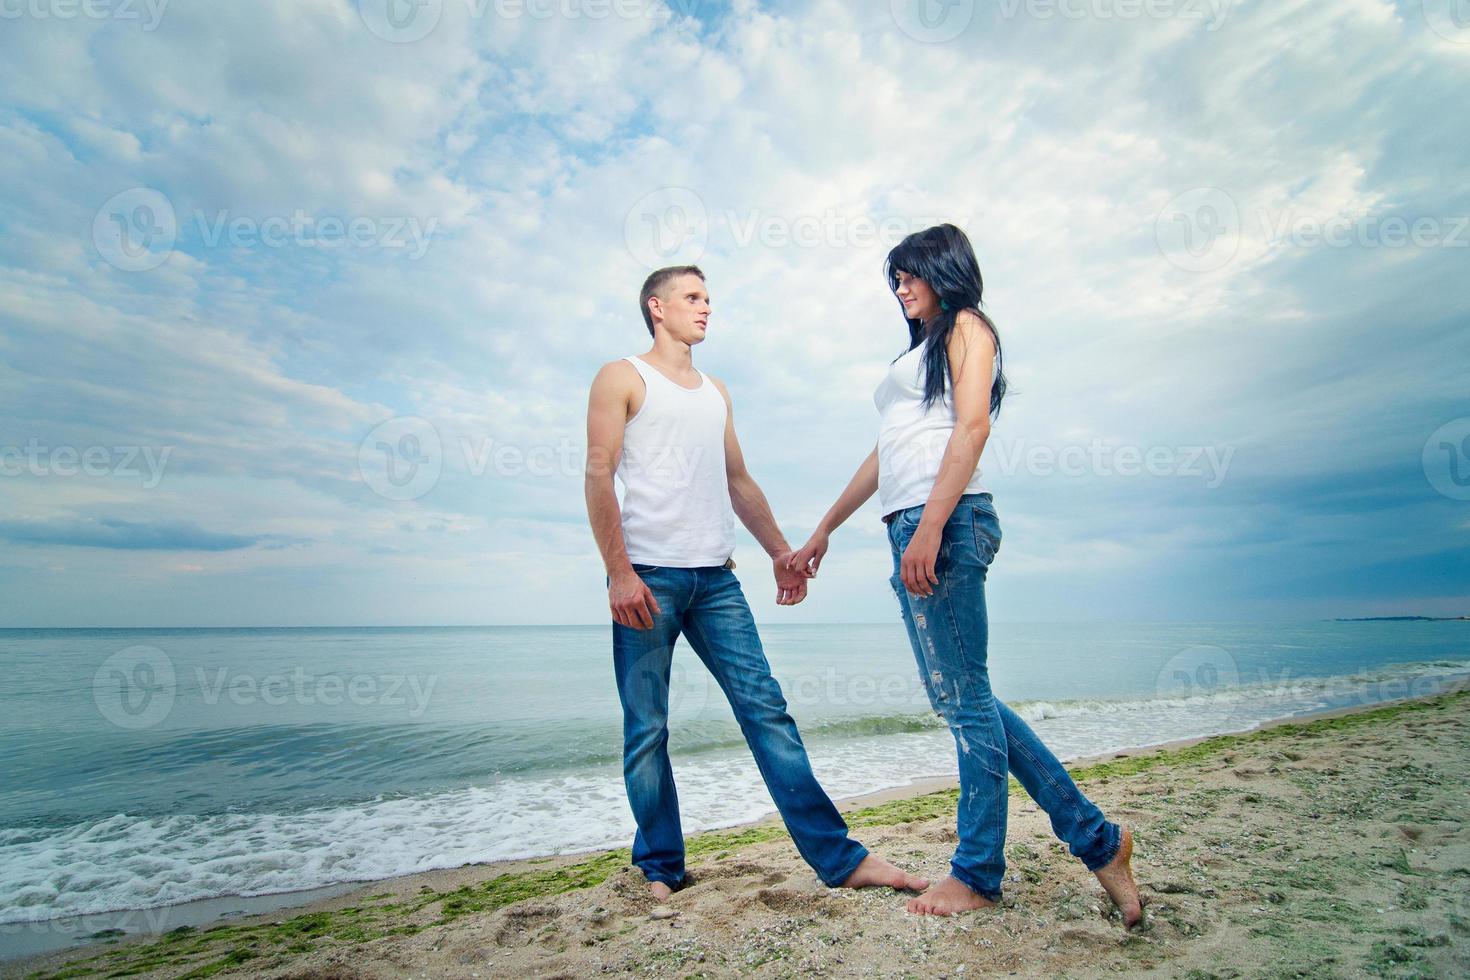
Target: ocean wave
point(1366, 687)
point(138, 861)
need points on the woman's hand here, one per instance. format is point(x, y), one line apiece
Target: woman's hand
point(916, 567)
point(808, 558)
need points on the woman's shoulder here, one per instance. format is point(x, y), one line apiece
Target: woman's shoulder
point(972, 336)
point(972, 326)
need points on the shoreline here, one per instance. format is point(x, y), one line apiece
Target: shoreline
point(239, 912)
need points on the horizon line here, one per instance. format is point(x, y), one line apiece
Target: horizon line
point(1003, 622)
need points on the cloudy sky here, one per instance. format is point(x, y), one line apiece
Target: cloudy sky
point(299, 301)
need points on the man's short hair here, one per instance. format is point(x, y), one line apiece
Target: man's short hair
point(656, 282)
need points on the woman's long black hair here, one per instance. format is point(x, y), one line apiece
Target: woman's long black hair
point(943, 258)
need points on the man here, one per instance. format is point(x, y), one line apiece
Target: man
point(667, 433)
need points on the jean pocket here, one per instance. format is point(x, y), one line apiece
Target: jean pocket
point(644, 569)
point(906, 523)
point(986, 528)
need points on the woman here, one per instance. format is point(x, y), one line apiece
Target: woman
point(936, 404)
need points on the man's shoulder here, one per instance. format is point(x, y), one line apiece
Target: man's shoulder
point(616, 371)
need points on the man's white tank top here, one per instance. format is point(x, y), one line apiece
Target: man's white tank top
point(676, 496)
point(912, 440)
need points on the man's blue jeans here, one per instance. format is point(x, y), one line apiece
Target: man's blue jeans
point(950, 635)
point(708, 607)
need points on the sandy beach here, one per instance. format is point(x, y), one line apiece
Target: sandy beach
point(1324, 847)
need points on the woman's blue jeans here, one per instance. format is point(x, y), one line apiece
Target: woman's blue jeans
point(950, 635)
point(708, 607)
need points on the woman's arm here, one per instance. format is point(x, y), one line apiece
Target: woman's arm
point(863, 485)
point(972, 363)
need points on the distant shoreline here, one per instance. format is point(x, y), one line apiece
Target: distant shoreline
point(762, 625)
point(1401, 619)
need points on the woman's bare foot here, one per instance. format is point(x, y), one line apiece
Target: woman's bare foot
point(875, 872)
point(1117, 879)
point(947, 898)
point(660, 891)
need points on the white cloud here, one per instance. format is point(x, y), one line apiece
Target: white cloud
point(1056, 143)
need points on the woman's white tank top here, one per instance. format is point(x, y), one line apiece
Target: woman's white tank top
point(676, 496)
point(911, 439)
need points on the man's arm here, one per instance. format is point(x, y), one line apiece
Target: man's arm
point(754, 511)
point(630, 601)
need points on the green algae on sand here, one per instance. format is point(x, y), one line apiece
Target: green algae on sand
point(190, 952)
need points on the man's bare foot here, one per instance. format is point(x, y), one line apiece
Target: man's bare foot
point(660, 891)
point(1117, 879)
point(948, 897)
point(875, 872)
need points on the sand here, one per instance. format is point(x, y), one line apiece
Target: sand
point(1335, 847)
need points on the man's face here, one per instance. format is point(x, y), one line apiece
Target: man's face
point(684, 308)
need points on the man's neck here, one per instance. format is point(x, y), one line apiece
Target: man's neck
point(671, 355)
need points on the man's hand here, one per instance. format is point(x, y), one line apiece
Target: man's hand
point(808, 558)
point(916, 568)
point(790, 584)
point(632, 602)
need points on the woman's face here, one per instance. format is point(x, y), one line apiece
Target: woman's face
point(919, 301)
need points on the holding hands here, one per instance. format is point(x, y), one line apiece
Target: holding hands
point(790, 582)
point(633, 604)
point(916, 568)
point(808, 558)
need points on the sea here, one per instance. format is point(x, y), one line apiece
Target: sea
point(172, 769)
